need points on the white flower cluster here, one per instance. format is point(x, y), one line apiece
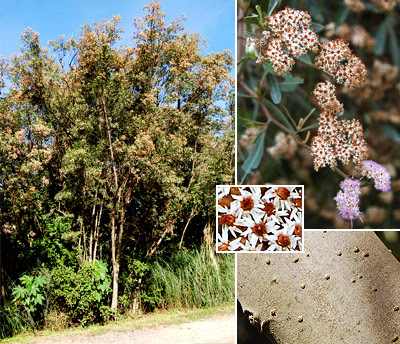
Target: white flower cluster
point(254, 218)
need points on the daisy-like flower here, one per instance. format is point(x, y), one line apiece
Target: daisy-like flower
point(283, 239)
point(281, 197)
point(378, 173)
point(348, 198)
point(224, 244)
point(248, 202)
point(257, 229)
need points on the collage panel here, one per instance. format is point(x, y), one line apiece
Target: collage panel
point(317, 105)
point(259, 218)
point(344, 288)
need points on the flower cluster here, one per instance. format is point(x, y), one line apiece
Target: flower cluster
point(336, 58)
point(259, 218)
point(290, 36)
point(378, 173)
point(325, 94)
point(338, 139)
point(348, 198)
point(284, 145)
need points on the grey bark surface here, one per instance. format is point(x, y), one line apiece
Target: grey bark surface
point(348, 298)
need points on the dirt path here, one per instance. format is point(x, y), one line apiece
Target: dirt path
point(218, 329)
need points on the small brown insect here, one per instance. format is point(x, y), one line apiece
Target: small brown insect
point(366, 254)
point(300, 319)
point(302, 286)
point(356, 250)
point(327, 277)
point(396, 308)
point(273, 312)
point(339, 253)
point(267, 261)
point(295, 260)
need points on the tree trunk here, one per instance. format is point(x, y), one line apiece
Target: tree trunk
point(343, 289)
point(186, 226)
point(115, 271)
point(2, 273)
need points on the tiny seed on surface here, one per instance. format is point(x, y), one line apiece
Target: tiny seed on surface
point(356, 250)
point(339, 253)
point(267, 261)
point(353, 281)
point(307, 254)
point(359, 276)
point(273, 312)
point(295, 260)
point(327, 277)
point(366, 254)
point(302, 286)
point(396, 308)
point(275, 280)
point(375, 289)
point(395, 339)
point(300, 319)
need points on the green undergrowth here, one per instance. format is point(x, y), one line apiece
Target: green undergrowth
point(139, 322)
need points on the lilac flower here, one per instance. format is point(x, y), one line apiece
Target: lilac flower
point(347, 199)
point(378, 173)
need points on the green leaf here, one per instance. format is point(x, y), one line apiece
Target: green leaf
point(309, 115)
point(342, 16)
point(380, 39)
point(317, 27)
point(250, 51)
point(289, 84)
point(279, 113)
point(390, 131)
point(315, 125)
point(394, 45)
point(260, 14)
point(253, 159)
point(305, 58)
point(253, 19)
point(271, 6)
point(275, 91)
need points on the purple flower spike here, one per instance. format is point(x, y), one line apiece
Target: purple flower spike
point(347, 199)
point(378, 173)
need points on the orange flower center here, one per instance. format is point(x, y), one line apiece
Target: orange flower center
point(227, 219)
point(283, 193)
point(225, 201)
point(247, 203)
point(260, 229)
point(269, 208)
point(283, 240)
point(298, 231)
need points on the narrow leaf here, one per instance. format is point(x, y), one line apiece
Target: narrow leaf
point(317, 27)
point(254, 158)
point(380, 39)
point(271, 6)
point(391, 132)
point(260, 14)
point(275, 91)
point(342, 16)
point(305, 58)
point(315, 125)
point(253, 19)
point(278, 112)
point(309, 115)
point(394, 46)
point(290, 84)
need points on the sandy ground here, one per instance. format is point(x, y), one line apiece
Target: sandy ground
point(219, 329)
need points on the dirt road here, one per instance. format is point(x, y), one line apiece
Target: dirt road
point(218, 329)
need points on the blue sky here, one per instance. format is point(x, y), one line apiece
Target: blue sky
point(213, 19)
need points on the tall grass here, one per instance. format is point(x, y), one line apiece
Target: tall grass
point(194, 279)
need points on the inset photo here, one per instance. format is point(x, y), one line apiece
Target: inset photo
point(259, 218)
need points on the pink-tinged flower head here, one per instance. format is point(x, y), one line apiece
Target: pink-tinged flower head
point(378, 173)
point(348, 198)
